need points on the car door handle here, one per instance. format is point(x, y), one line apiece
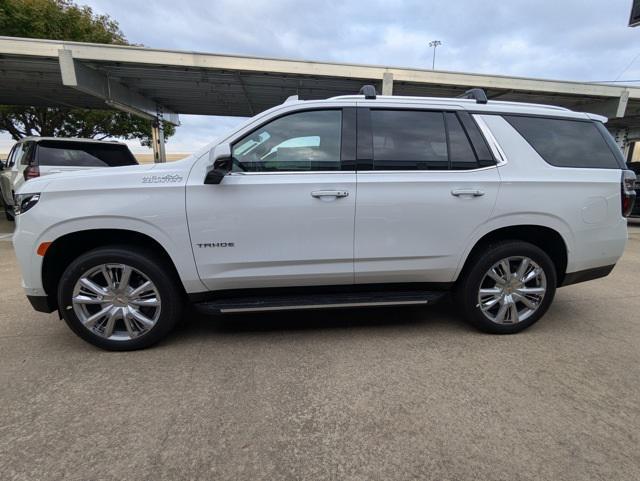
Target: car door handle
point(329, 193)
point(471, 192)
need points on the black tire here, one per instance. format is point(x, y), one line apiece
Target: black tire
point(8, 214)
point(466, 292)
point(154, 267)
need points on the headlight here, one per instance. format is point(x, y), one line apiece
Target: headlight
point(24, 202)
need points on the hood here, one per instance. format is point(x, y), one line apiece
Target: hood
point(108, 176)
point(39, 184)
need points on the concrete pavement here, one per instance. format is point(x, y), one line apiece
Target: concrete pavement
point(410, 393)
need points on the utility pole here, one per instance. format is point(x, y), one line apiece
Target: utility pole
point(435, 44)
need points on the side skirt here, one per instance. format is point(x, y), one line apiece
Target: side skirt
point(263, 302)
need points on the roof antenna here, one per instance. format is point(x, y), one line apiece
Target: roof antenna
point(369, 92)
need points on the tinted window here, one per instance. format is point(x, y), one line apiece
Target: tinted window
point(460, 152)
point(66, 153)
point(27, 153)
point(304, 141)
point(566, 143)
point(408, 140)
point(479, 143)
point(18, 154)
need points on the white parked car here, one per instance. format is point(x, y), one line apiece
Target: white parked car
point(33, 157)
point(358, 200)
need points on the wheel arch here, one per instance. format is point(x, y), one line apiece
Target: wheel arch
point(544, 237)
point(68, 247)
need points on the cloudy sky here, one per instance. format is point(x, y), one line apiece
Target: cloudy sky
point(584, 40)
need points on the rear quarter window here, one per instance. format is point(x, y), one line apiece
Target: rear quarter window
point(566, 143)
point(84, 155)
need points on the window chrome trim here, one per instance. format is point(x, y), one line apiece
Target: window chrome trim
point(491, 140)
point(431, 171)
point(291, 172)
point(368, 171)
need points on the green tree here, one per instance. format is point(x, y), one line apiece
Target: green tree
point(64, 20)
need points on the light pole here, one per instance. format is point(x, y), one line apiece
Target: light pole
point(434, 44)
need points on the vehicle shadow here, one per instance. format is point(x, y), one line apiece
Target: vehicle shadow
point(440, 316)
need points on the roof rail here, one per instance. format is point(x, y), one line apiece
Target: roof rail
point(475, 94)
point(369, 92)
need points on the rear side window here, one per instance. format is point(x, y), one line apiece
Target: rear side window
point(409, 140)
point(19, 156)
point(11, 160)
point(84, 154)
point(566, 143)
point(27, 153)
point(460, 152)
point(424, 140)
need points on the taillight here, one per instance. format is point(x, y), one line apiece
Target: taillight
point(31, 172)
point(627, 190)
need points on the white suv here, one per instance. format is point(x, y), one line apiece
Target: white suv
point(33, 157)
point(358, 200)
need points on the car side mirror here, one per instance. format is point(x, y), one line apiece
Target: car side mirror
point(221, 158)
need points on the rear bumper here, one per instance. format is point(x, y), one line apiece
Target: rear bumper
point(586, 275)
point(41, 303)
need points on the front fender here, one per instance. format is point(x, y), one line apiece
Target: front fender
point(172, 236)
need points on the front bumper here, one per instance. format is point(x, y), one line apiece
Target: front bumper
point(25, 243)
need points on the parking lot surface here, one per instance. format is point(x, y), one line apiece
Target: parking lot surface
point(411, 393)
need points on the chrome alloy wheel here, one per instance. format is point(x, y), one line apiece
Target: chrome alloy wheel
point(116, 302)
point(512, 290)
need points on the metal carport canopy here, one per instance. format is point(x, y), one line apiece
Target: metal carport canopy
point(150, 81)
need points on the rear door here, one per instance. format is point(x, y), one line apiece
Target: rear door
point(285, 215)
point(426, 181)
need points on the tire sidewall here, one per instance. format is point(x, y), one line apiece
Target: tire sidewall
point(139, 259)
point(468, 292)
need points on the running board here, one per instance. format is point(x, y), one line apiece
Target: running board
point(319, 301)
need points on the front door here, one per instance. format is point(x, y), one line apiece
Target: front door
point(285, 215)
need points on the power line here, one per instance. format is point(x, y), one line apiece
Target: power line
point(628, 67)
point(611, 81)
